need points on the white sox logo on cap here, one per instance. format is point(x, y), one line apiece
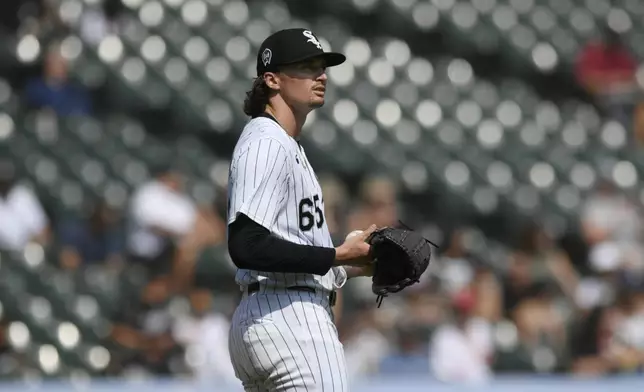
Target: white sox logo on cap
point(267, 54)
point(311, 38)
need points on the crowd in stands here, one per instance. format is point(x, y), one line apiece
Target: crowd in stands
point(550, 304)
point(467, 319)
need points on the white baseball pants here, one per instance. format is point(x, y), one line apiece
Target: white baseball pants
point(286, 341)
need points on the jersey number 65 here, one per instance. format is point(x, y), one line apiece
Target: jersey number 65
point(306, 211)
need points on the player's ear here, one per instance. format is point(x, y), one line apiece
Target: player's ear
point(272, 80)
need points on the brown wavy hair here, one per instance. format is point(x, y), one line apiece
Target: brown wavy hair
point(257, 98)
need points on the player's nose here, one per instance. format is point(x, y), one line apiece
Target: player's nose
point(322, 77)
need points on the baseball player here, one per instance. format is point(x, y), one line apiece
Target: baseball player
point(283, 336)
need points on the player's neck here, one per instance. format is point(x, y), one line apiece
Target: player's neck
point(288, 119)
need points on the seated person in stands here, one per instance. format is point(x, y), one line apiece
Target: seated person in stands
point(410, 356)
point(96, 238)
point(606, 69)
point(22, 216)
point(54, 90)
point(161, 218)
point(141, 333)
point(537, 259)
point(208, 231)
point(606, 66)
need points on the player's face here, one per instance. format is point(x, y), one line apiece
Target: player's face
point(304, 84)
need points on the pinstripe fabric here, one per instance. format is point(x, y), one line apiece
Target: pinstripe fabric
point(283, 340)
point(269, 177)
point(286, 341)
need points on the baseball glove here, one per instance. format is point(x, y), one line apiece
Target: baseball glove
point(400, 256)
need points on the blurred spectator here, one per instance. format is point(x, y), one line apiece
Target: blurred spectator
point(167, 232)
point(625, 350)
point(463, 351)
point(611, 338)
point(336, 206)
point(97, 238)
point(590, 333)
point(612, 226)
point(207, 232)
point(608, 215)
point(378, 203)
point(606, 68)
point(475, 312)
point(209, 229)
point(365, 336)
point(537, 261)
point(598, 288)
point(204, 334)
point(410, 355)
point(457, 270)
point(100, 21)
point(541, 343)
point(142, 331)
point(55, 90)
point(146, 345)
point(454, 267)
point(23, 217)
point(161, 216)
point(4, 343)
point(638, 123)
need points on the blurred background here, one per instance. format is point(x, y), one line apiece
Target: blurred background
point(508, 131)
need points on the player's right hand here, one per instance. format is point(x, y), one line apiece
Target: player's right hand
point(355, 249)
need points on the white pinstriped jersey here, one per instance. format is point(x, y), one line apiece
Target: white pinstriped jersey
point(272, 182)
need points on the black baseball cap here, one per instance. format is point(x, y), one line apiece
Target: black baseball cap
point(291, 46)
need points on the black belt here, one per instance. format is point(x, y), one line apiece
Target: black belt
point(254, 287)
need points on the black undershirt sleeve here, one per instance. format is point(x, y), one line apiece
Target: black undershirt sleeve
point(252, 246)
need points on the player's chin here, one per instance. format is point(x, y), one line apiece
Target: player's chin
point(317, 102)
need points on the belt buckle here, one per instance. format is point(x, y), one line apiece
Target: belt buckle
point(332, 298)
